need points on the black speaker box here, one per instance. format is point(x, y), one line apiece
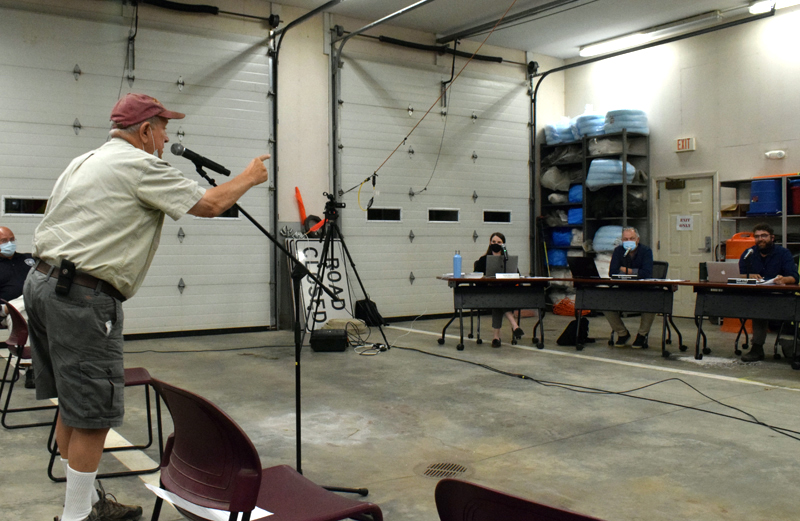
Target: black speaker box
point(328, 340)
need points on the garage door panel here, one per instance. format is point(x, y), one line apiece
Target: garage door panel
point(224, 263)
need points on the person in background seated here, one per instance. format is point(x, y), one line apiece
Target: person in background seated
point(496, 243)
point(765, 261)
point(631, 258)
point(14, 267)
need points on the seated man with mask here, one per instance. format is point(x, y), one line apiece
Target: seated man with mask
point(631, 258)
point(765, 261)
point(14, 267)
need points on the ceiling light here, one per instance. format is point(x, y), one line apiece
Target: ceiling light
point(766, 6)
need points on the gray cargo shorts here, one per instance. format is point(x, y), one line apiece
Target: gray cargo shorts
point(77, 347)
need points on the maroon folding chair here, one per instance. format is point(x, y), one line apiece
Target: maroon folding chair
point(458, 500)
point(19, 351)
point(210, 461)
point(134, 377)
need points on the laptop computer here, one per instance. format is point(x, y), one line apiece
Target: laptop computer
point(722, 271)
point(583, 268)
point(495, 265)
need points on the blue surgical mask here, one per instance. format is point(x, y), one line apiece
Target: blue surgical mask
point(8, 248)
point(629, 245)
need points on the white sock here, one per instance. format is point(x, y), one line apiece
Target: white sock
point(95, 495)
point(77, 505)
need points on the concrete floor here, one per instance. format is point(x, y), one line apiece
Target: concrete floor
point(380, 421)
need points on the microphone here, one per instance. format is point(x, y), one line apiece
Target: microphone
point(198, 160)
point(749, 252)
point(627, 251)
point(505, 253)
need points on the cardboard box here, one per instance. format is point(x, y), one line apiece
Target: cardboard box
point(735, 210)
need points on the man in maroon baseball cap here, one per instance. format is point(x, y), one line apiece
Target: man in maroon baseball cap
point(101, 230)
point(135, 108)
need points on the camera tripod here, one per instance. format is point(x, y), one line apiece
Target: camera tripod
point(299, 271)
point(332, 232)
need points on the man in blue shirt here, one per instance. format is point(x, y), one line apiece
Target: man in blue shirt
point(631, 258)
point(765, 261)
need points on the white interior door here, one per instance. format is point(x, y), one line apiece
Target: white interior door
point(684, 237)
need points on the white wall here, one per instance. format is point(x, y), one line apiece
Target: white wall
point(737, 91)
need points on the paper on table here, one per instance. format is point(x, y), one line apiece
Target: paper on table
point(208, 513)
point(768, 282)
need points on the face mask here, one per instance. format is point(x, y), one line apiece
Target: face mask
point(8, 248)
point(496, 248)
point(629, 245)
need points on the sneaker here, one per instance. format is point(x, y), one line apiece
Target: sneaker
point(640, 342)
point(519, 333)
point(495, 342)
point(108, 509)
point(756, 353)
point(622, 340)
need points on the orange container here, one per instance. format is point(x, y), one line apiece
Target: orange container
point(733, 325)
point(736, 245)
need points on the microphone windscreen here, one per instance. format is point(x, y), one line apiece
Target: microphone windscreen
point(177, 149)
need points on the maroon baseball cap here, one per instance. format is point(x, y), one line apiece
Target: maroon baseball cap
point(135, 108)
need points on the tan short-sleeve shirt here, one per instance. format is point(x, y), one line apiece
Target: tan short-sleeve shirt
point(106, 212)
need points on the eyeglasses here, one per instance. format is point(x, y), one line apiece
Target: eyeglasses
point(762, 236)
point(3, 241)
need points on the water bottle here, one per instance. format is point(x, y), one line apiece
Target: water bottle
point(457, 265)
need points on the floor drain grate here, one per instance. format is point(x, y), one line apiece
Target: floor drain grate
point(444, 470)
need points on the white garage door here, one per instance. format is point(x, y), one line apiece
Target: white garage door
point(223, 263)
point(484, 152)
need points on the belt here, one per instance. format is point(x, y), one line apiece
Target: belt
point(85, 280)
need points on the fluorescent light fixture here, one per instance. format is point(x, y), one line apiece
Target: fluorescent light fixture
point(650, 34)
point(615, 44)
point(766, 6)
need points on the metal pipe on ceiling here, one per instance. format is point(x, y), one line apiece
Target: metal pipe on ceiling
point(343, 39)
point(488, 26)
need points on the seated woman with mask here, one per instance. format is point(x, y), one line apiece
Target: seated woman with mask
point(496, 245)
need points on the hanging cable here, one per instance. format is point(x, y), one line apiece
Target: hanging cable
point(444, 128)
point(130, 53)
point(444, 92)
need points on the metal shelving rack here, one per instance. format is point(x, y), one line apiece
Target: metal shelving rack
point(641, 161)
point(788, 221)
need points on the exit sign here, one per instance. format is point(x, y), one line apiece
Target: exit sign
point(686, 144)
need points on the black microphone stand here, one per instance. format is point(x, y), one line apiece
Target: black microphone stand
point(299, 271)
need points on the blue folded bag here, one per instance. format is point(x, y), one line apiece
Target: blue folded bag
point(575, 216)
point(576, 194)
point(561, 236)
point(557, 257)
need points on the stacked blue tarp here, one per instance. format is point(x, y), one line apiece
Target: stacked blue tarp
point(607, 238)
point(632, 120)
point(607, 172)
point(588, 125)
point(561, 237)
point(557, 133)
point(575, 216)
point(557, 257)
point(575, 194)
